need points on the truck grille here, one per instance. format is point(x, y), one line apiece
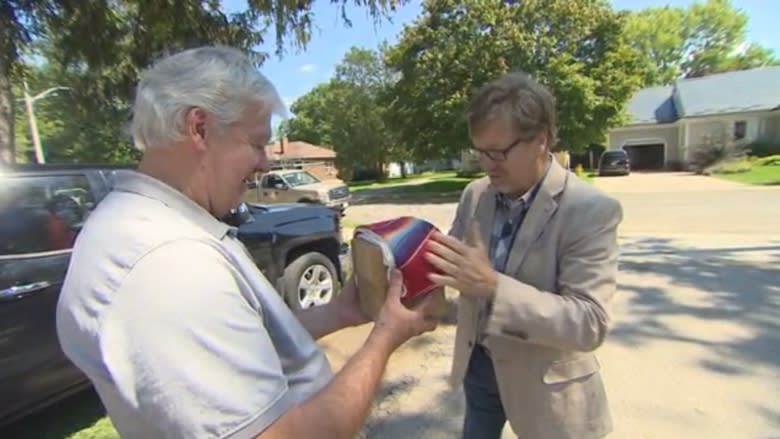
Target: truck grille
point(338, 193)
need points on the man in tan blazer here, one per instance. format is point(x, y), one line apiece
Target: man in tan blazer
point(533, 250)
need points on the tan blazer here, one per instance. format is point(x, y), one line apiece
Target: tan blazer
point(551, 309)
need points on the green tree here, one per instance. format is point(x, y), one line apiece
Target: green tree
point(111, 40)
point(702, 39)
point(577, 48)
point(312, 115)
point(347, 113)
point(657, 33)
point(71, 128)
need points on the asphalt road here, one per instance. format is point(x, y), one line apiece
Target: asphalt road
point(695, 351)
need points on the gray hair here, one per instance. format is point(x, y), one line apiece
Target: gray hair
point(220, 80)
point(528, 104)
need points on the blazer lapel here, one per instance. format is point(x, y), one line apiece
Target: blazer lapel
point(484, 215)
point(542, 208)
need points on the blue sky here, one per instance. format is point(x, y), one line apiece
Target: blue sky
point(298, 72)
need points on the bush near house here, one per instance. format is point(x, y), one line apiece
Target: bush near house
point(706, 159)
point(763, 148)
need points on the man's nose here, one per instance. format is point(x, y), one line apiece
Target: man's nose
point(487, 163)
point(262, 164)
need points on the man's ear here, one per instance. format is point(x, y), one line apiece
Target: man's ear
point(195, 126)
point(543, 142)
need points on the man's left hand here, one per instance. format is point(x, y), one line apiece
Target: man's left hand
point(464, 267)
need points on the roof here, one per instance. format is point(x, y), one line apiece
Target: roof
point(731, 92)
point(652, 105)
point(298, 150)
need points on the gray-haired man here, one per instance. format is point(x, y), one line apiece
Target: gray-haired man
point(162, 308)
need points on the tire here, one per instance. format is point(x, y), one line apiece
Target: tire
point(298, 274)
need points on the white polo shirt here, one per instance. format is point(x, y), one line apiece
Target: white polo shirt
point(178, 330)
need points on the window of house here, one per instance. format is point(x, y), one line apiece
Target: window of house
point(740, 129)
point(42, 213)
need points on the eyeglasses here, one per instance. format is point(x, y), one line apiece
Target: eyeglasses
point(499, 155)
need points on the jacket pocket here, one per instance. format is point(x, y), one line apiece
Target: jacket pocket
point(567, 370)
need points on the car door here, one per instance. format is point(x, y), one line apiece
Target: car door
point(40, 217)
point(269, 187)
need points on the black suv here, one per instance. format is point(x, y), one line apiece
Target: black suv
point(42, 209)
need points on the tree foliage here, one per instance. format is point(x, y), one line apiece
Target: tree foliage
point(109, 41)
point(347, 114)
point(576, 48)
point(702, 39)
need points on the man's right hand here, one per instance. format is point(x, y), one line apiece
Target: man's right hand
point(396, 323)
point(340, 409)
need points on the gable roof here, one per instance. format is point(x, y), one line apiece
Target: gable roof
point(731, 92)
point(652, 105)
point(298, 150)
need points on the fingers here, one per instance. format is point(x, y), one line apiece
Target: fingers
point(444, 252)
point(475, 235)
point(454, 243)
point(443, 280)
point(443, 265)
point(394, 287)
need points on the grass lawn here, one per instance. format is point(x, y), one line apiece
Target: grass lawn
point(758, 175)
point(398, 181)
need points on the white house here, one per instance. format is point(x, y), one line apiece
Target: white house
point(668, 123)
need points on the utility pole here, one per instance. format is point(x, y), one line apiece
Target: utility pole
point(29, 102)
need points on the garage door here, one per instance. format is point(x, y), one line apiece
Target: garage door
point(646, 157)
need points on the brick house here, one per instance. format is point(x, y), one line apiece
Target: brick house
point(318, 160)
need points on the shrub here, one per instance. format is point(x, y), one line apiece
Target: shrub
point(763, 148)
point(706, 157)
point(730, 166)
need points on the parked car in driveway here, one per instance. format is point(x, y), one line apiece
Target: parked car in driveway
point(614, 162)
point(298, 186)
point(42, 210)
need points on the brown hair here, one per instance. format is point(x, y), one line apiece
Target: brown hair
point(528, 104)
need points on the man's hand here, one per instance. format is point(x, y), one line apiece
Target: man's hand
point(396, 323)
point(464, 267)
point(342, 312)
point(347, 305)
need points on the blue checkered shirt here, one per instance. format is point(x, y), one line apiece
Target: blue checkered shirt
point(509, 216)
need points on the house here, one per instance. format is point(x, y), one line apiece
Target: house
point(669, 123)
point(318, 160)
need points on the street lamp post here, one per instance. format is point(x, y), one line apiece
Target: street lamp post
point(29, 102)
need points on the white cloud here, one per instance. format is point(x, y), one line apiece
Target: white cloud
point(307, 68)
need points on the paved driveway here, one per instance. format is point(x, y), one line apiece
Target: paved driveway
point(696, 347)
point(680, 203)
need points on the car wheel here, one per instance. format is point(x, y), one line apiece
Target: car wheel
point(310, 280)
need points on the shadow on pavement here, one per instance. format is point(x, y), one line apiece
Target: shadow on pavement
point(731, 289)
point(440, 418)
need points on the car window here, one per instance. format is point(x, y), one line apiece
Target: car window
point(614, 155)
point(42, 213)
point(300, 178)
point(270, 180)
